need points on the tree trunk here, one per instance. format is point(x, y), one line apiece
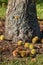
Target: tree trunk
point(21, 20)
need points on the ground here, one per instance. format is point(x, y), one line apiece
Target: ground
point(24, 61)
point(6, 56)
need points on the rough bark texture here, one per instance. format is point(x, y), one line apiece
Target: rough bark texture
point(21, 20)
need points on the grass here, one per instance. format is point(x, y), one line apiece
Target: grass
point(40, 10)
point(2, 12)
point(26, 61)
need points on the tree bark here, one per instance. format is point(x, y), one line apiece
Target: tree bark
point(21, 20)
